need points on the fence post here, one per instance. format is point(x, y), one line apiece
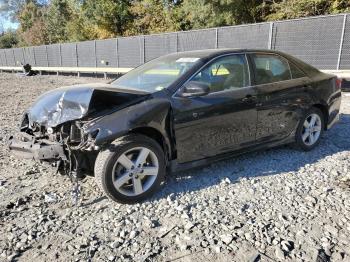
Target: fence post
point(95, 53)
point(47, 56)
point(5, 58)
point(34, 58)
point(341, 41)
point(177, 42)
point(116, 50)
point(142, 50)
point(76, 54)
point(14, 57)
point(24, 60)
point(269, 44)
point(60, 53)
point(216, 38)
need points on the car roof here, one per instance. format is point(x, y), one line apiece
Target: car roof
point(211, 53)
point(208, 54)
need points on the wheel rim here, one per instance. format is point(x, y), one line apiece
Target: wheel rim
point(311, 129)
point(135, 171)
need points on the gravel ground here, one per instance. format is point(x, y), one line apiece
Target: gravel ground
point(273, 205)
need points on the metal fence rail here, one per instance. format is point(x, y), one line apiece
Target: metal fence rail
point(322, 41)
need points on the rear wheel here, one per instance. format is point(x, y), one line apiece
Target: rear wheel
point(130, 169)
point(310, 129)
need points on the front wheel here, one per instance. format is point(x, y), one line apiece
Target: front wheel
point(310, 129)
point(131, 169)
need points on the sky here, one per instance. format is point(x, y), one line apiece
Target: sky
point(7, 24)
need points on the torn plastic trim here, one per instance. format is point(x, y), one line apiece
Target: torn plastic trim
point(28, 147)
point(87, 142)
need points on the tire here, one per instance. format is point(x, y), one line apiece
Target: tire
point(302, 131)
point(120, 179)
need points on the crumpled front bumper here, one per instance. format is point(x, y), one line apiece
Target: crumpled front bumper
point(28, 147)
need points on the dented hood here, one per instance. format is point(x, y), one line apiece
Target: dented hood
point(74, 102)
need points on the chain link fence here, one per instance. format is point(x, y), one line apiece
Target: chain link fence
point(323, 42)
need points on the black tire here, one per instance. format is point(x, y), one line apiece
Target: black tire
point(107, 158)
point(298, 136)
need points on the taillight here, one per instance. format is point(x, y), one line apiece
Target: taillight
point(338, 82)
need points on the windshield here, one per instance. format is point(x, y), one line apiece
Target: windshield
point(156, 74)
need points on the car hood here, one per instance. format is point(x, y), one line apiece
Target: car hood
point(75, 102)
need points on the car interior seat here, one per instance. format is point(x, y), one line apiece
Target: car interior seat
point(236, 76)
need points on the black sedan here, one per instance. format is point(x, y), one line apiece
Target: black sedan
point(176, 112)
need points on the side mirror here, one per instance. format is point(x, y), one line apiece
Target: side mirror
point(194, 88)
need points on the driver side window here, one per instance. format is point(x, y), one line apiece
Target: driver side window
point(229, 72)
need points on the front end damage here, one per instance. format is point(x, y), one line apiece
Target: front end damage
point(65, 147)
point(29, 147)
point(53, 130)
point(69, 127)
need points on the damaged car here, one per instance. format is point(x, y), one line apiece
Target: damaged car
point(177, 112)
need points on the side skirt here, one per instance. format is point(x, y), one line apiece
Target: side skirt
point(174, 166)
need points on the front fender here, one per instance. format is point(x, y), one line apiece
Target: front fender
point(150, 113)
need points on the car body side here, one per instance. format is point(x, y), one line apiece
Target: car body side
point(168, 117)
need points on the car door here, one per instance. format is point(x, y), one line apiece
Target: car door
point(280, 85)
point(221, 121)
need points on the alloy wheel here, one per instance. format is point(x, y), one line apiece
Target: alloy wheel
point(135, 171)
point(311, 129)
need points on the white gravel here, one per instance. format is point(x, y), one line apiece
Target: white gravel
point(273, 205)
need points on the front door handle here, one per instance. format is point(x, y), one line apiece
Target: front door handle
point(249, 99)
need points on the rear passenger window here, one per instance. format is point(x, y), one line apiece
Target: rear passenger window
point(296, 72)
point(270, 69)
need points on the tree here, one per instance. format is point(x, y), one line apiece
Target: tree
point(32, 30)
point(79, 28)
point(57, 16)
point(340, 6)
point(204, 13)
point(108, 17)
point(12, 8)
point(151, 16)
point(8, 39)
point(53, 21)
point(35, 35)
point(289, 9)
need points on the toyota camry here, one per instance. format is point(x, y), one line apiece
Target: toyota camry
point(176, 112)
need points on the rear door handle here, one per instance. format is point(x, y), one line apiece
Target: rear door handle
point(249, 99)
point(306, 87)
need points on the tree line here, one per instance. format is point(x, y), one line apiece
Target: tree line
point(56, 21)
